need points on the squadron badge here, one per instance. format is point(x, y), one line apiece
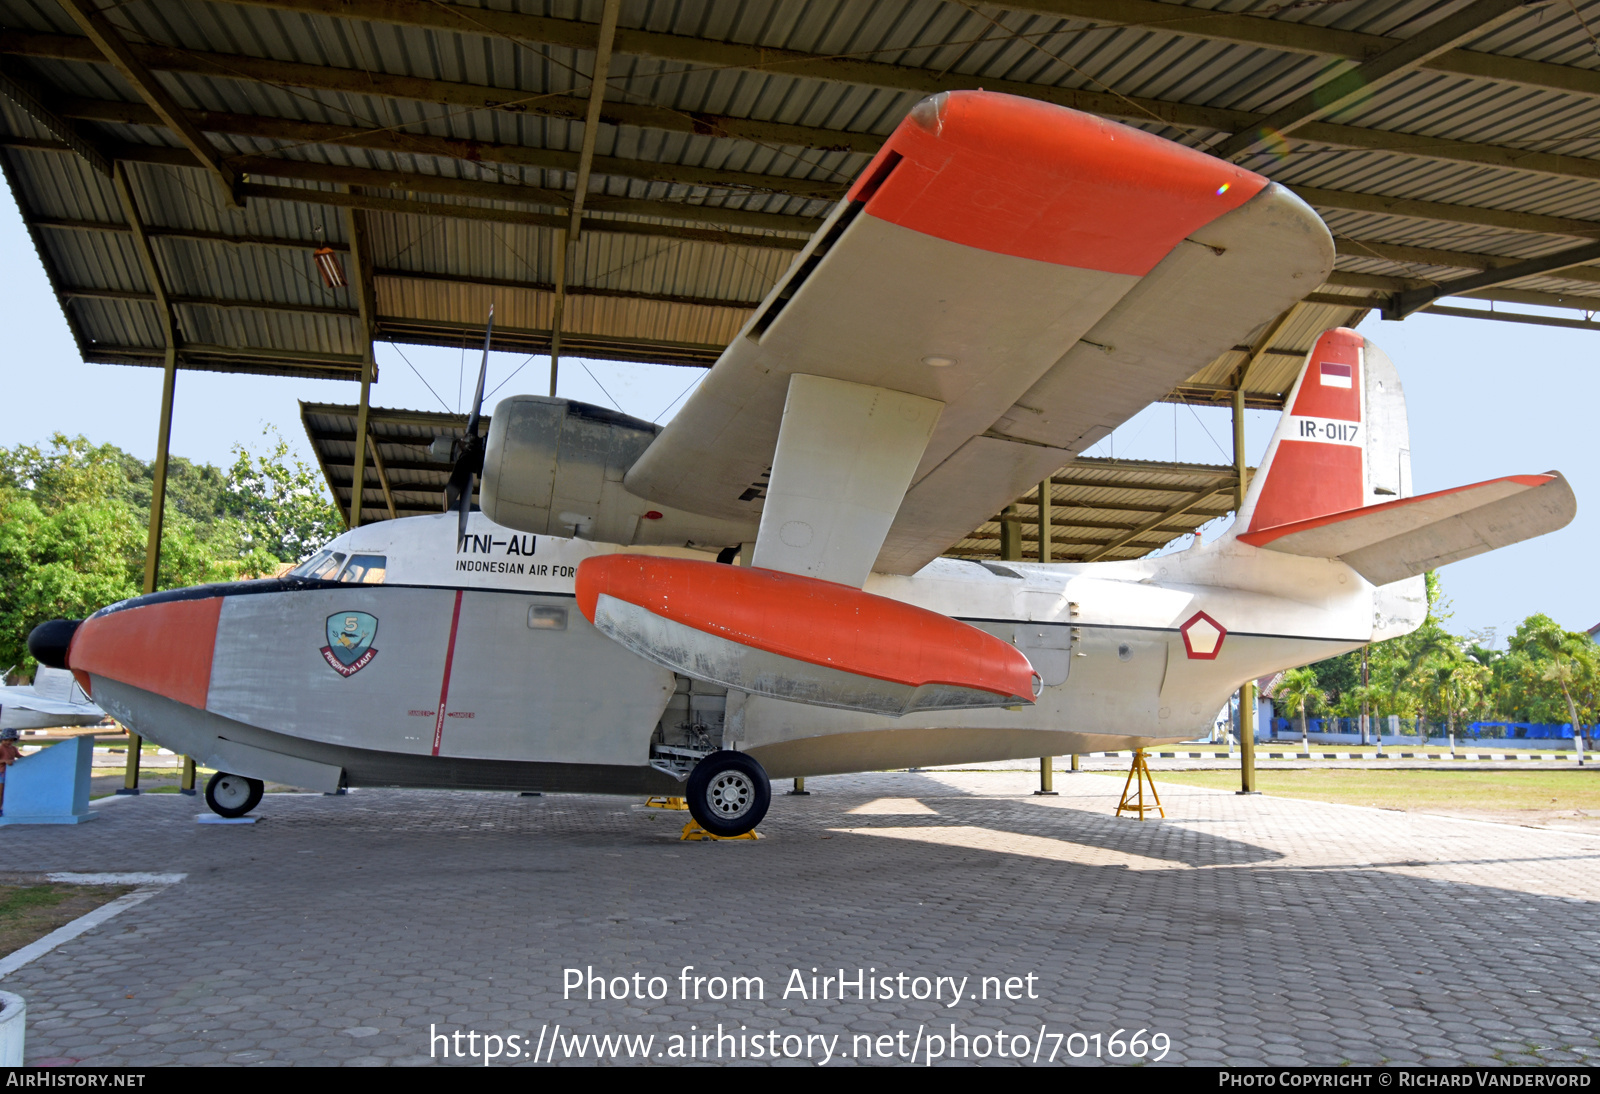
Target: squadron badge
point(349, 648)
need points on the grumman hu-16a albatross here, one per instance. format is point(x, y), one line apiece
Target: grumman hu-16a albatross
point(1006, 282)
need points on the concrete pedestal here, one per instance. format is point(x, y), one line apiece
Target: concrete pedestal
point(51, 786)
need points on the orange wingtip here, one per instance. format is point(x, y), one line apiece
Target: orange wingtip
point(1039, 181)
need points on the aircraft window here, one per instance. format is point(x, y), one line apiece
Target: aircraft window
point(547, 619)
point(365, 570)
point(320, 566)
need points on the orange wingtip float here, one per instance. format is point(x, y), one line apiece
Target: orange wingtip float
point(797, 638)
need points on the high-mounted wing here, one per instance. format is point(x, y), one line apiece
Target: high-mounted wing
point(1029, 276)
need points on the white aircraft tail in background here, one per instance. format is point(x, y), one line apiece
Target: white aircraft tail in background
point(1336, 479)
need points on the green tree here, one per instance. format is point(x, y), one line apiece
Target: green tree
point(1553, 661)
point(74, 521)
point(1300, 694)
point(1449, 683)
point(282, 502)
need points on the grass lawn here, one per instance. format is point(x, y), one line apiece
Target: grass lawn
point(1567, 798)
point(31, 908)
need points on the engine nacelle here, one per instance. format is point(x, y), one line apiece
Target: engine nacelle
point(554, 467)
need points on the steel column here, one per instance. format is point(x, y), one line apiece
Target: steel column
point(1247, 693)
point(1010, 535)
point(158, 484)
point(558, 308)
point(1045, 528)
point(358, 473)
point(366, 300)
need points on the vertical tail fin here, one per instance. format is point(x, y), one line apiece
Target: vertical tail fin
point(1342, 443)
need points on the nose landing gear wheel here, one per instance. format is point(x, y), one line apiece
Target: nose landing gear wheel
point(233, 795)
point(728, 793)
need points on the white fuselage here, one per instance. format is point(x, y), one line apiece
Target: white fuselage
point(484, 673)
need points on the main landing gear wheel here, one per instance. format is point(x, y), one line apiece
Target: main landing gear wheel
point(233, 795)
point(728, 793)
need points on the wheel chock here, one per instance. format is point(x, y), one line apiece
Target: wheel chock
point(694, 833)
point(667, 803)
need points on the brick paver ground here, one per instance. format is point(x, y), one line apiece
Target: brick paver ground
point(1247, 930)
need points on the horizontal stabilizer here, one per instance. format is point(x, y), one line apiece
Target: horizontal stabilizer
point(1398, 539)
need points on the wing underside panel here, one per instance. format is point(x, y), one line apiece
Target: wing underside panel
point(1042, 274)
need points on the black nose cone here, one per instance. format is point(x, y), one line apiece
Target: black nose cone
point(48, 642)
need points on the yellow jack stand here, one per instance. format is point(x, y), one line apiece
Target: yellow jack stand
point(666, 803)
point(694, 833)
point(1134, 802)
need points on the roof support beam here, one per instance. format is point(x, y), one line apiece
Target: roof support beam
point(65, 225)
point(463, 149)
point(599, 73)
point(1241, 376)
point(1187, 503)
point(123, 57)
point(210, 302)
point(169, 330)
point(866, 73)
point(383, 474)
point(1172, 18)
point(1407, 301)
point(64, 47)
point(1500, 293)
point(1513, 317)
point(1406, 56)
point(1408, 208)
point(572, 290)
point(431, 209)
point(35, 100)
point(1448, 213)
point(147, 256)
point(1434, 256)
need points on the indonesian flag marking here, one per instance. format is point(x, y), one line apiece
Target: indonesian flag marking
point(1334, 374)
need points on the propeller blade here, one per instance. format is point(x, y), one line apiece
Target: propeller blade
point(464, 509)
point(469, 463)
point(483, 374)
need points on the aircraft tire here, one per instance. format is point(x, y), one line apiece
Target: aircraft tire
point(233, 795)
point(728, 793)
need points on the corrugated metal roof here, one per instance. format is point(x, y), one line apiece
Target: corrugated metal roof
point(896, 48)
point(404, 472)
point(457, 135)
point(1112, 509)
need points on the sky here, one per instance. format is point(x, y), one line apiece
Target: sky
point(1485, 399)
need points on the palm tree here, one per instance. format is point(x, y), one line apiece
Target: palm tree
point(1448, 680)
point(1298, 692)
point(1571, 662)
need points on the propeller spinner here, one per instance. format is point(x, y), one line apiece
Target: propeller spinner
point(469, 454)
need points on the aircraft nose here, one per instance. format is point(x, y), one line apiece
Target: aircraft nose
point(160, 643)
point(49, 642)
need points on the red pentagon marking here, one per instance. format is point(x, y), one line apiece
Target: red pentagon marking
point(1202, 637)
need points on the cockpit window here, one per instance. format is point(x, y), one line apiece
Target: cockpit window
point(365, 570)
point(320, 566)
